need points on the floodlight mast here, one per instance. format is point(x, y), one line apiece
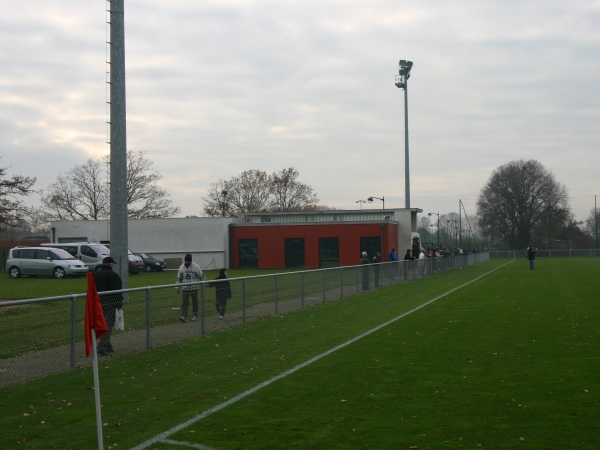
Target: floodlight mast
point(404, 68)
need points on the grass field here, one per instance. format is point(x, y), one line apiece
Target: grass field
point(492, 356)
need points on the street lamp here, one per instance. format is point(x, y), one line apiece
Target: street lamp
point(361, 202)
point(370, 200)
point(438, 228)
point(402, 83)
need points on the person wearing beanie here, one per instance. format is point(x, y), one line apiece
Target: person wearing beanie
point(222, 292)
point(189, 272)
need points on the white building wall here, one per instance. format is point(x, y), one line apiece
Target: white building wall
point(206, 238)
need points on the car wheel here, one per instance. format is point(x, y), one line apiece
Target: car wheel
point(59, 272)
point(148, 268)
point(14, 272)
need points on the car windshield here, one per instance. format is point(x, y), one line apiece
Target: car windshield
point(101, 249)
point(58, 253)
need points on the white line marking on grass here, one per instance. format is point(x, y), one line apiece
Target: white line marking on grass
point(163, 436)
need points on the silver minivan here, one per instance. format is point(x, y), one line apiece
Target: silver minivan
point(37, 261)
point(89, 253)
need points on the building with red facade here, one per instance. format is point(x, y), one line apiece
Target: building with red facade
point(312, 239)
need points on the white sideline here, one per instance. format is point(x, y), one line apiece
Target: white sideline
point(163, 437)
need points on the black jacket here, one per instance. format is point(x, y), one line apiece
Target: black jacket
point(223, 289)
point(108, 280)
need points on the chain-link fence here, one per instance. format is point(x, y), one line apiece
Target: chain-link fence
point(591, 253)
point(46, 335)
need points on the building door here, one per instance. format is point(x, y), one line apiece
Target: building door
point(294, 253)
point(329, 252)
point(369, 245)
point(248, 249)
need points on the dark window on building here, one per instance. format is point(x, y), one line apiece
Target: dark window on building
point(248, 249)
point(329, 252)
point(294, 253)
point(369, 245)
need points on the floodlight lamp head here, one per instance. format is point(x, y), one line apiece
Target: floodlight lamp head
point(370, 199)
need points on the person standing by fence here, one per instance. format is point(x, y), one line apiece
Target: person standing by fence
point(108, 280)
point(189, 272)
point(393, 259)
point(222, 292)
point(366, 271)
point(377, 268)
point(422, 262)
point(531, 256)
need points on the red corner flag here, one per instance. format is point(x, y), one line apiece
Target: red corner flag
point(94, 317)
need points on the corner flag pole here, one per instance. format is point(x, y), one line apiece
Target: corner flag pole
point(95, 327)
point(97, 391)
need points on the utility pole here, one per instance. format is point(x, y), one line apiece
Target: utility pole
point(118, 142)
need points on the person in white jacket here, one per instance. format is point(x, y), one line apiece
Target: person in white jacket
point(189, 272)
point(422, 262)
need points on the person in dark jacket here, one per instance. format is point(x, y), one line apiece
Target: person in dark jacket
point(377, 268)
point(531, 256)
point(222, 292)
point(108, 280)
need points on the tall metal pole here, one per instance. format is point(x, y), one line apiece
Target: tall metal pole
point(406, 159)
point(118, 142)
point(459, 223)
point(404, 68)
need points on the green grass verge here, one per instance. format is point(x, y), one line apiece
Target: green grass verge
point(39, 287)
point(510, 360)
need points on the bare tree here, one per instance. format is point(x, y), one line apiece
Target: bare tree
point(256, 191)
point(145, 199)
point(290, 194)
point(520, 201)
point(12, 209)
point(80, 194)
point(83, 193)
point(249, 192)
point(591, 225)
point(216, 203)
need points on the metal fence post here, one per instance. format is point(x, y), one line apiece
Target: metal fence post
point(341, 282)
point(324, 287)
point(73, 329)
point(202, 313)
point(243, 300)
point(276, 292)
point(148, 337)
point(302, 289)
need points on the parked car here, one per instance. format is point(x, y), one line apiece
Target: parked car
point(136, 265)
point(89, 253)
point(133, 269)
point(136, 260)
point(151, 263)
point(39, 261)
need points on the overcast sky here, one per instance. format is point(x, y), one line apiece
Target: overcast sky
point(218, 87)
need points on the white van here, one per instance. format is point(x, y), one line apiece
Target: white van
point(34, 261)
point(91, 254)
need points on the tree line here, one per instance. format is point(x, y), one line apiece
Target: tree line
point(521, 203)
